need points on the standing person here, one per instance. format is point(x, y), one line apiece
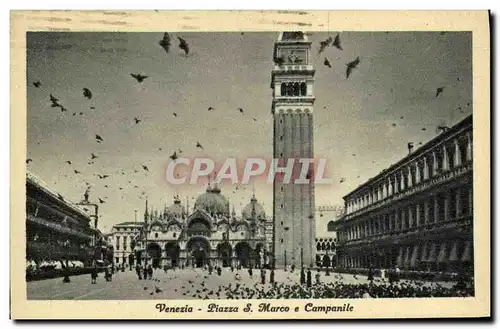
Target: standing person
point(398, 271)
point(302, 276)
point(370, 274)
point(66, 275)
point(138, 271)
point(309, 279)
point(150, 272)
point(318, 276)
point(292, 268)
point(250, 271)
point(382, 274)
point(263, 276)
point(93, 275)
point(145, 271)
point(271, 276)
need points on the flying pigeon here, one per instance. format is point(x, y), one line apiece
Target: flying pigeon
point(92, 107)
point(198, 145)
point(342, 180)
point(424, 129)
point(137, 120)
point(53, 99)
point(93, 156)
point(102, 176)
point(183, 45)
point(240, 109)
point(336, 43)
point(327, 63)
point(211, 109)
point(324, 44)
point(77, 172)
point(175, 114)
point(37, 84)
point(98, 138)
point(439, 91)
point(138, 77)
point(351, 66)
point(165, 42)
point(101, 200)
point(145, 167)
point(87, 93)
point(29, 160)
point(174, 156)
point(68, 162)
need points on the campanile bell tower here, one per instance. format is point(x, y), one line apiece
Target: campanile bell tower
point(292, 81)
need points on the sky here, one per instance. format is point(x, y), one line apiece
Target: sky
point(395, 83)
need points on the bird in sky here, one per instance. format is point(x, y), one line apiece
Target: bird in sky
point(29, 160)
point(439, 91)
point(327, 63)
point(336, 42)
point(174, 156)
point(87, 93)
point(211, 109)
point(198, 145)
point(424, 129)
point(101, 200)
point(183, 45)
point(140, 78)
point(92, 107)
point(165, 42)
point(93, 156)
point(342, 180)
point(37, 84)
point(137, 120)
point(324, 44)
point(350, 66)
point(240, 110)
point(77, 172)
point(68, 162)
point(254, 119)
point(145, 167)
point(394, 125)
point(99, 138)
point(174, 114)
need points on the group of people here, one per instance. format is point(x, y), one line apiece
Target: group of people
point(144, 271)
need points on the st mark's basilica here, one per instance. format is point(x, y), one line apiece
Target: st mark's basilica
point(210, 235)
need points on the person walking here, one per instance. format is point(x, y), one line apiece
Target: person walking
point(309, 279)
point(150, 272)
point(302, 276)
point(318, 277)
point(145, 272)
point(93, 275)
point(263, 276)
point(250, 272)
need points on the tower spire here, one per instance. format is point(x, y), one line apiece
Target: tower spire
point(146, 214)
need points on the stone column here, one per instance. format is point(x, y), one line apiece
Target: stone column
point(410, 217)
point(410, 180)
point(447, 202)
point(417, 173)
point(458, 209)
point(434, 163)
point(426, 211)
point(436, 210)
point(458, 159)
point(402, 181)
point(426, 169)
point(396, 184)
point(389, 187)
point(445, 158)
point(397, 222)
point(417, 215)
point(469, 146)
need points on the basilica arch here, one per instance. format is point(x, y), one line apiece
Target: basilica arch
point(198, 249)
point(173, 250)
point(224, 252)
point(243, 252)
point(154, 253)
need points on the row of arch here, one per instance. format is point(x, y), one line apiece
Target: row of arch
point(293, 89)
point(325, 246)
point(325, 261)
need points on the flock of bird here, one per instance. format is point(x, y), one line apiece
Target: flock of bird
point(166, 44)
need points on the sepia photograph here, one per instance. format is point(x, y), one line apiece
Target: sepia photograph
point(291, 164)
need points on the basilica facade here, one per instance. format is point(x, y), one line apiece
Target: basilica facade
point(210, 234)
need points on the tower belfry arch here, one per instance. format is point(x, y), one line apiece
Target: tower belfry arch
point(292, 82)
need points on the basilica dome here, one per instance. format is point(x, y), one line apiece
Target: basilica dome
point(213, 202)
point(253, 210)
point(176, 210)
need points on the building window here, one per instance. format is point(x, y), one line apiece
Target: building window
point(156, 235)
point(124, 243)
point(303, 89)
point(117, 243)
point(281, 240)
point(175, 235)
point(281, 206)
point(283, 89)
point(117, 260)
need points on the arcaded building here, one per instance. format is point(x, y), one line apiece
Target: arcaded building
point(209, 234)
point(418, 213)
